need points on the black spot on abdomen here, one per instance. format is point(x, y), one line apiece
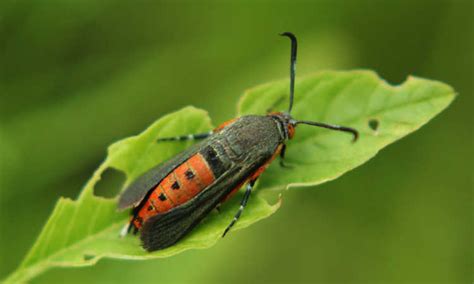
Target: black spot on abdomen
point(189, 174)
point(162, 197)
point(216, 164)
point(175, 185)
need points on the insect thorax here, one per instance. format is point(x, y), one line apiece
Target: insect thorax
point(251, 136)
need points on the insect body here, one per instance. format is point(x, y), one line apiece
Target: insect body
point(171, 199)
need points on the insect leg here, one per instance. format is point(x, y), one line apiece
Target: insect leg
point(186, 137)
point(124, 231)
point(282, 158)
point(242, 206)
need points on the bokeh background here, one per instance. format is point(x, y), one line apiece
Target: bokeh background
point(76, 76)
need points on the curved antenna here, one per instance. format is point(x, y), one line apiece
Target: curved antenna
point(294, 46)
point(354, 132)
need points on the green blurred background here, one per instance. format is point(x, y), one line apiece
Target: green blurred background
point(76, 76)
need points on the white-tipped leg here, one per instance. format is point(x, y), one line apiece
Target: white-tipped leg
point(242, 206)
point(187, 137)
point(124, 230)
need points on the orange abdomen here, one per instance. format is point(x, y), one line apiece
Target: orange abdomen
point(178, 187)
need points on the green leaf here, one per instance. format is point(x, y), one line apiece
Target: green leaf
point(80, 232)
point(356, 99)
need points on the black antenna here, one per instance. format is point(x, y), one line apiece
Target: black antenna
point(294, 46)
point(354, 132)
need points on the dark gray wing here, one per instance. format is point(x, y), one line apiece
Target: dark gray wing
point(164, 230)
point(135, 192)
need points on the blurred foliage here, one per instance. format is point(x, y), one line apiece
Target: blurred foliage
point(404, 217)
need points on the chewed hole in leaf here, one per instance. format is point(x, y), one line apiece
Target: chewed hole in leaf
point(111, 181)
point(374, 124)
